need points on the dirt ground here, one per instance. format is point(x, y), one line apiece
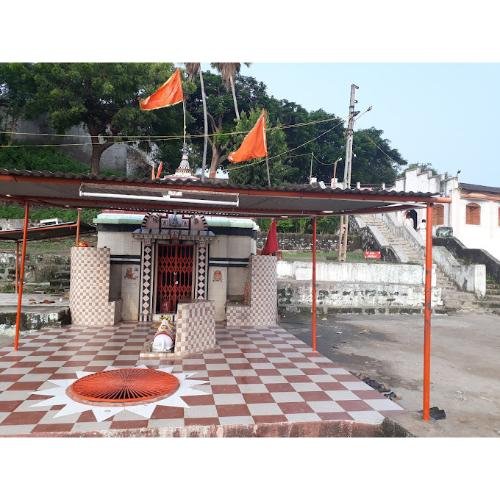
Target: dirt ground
point(465, 364)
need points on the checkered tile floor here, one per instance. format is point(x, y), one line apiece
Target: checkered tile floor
point(259, 375)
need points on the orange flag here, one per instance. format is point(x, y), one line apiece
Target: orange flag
point(168, 94)
point(254, 145)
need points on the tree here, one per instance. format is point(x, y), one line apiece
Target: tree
point(192, 69)
point(375, 161)
point(256, 175)
point(220, 114)
point(325, 140)
point(228, 71)
point(105, 97)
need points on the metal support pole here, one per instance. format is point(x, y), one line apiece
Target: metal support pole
point(427, 313)
point(17, 266)
point(78, 216)
point(313, 286)
point(184, 127)
point(21, 275)
point(268, 174)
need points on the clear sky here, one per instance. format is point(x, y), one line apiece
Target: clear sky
point(444, 114)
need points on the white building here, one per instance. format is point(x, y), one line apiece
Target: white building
point(474, 212)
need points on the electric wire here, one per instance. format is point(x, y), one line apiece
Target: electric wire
point(378, 147)
point(136, 138)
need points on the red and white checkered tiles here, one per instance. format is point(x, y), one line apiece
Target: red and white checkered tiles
point(259, 375)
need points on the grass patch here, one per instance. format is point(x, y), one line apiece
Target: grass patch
point(58, 246)
point(322, 256)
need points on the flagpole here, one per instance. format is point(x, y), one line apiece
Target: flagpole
point(267, 159)
point(205, 125)
point(184, 112)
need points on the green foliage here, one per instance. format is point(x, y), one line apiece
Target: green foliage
point(375, 161)
point(327, 225)
point(302, 225)
point(106, 98)
point(326, 148)
point(44, 159)
point(13, 211)
point(101, 95)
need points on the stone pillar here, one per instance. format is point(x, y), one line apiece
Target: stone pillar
point(89, 288)
point(217, 277)
point(147, 281)
point(201, 270)
point(264, 291)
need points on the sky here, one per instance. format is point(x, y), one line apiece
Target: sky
point(444, 114)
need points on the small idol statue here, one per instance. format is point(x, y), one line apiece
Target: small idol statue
point(164, 339)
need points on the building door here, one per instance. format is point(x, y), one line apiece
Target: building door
point(175, 276)
point(438, 215)
point(412, 214)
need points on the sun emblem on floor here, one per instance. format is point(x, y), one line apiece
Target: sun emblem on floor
point(139, 390)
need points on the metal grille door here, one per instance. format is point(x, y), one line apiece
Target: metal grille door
point(175, 276)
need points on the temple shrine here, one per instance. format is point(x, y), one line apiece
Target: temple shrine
point(191, 268)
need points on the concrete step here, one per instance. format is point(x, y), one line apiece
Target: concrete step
point(494, 298)
point(488, 305)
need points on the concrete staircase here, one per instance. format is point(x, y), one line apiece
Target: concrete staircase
point(491, 301)
point(453, 298)
point(404, 250)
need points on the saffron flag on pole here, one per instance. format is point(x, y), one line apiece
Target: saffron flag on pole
point(254, 145)
point(271, 245)
point(168, 94)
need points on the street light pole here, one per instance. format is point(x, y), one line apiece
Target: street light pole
point(344, 219)
point(335, 167)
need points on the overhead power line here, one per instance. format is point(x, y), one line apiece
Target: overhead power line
point(117, 139)
point(378, 147)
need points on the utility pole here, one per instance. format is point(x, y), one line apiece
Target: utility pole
point(344, 219)
point(311, 169)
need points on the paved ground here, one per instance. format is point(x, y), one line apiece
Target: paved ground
point(465, 364)
point(254, 376)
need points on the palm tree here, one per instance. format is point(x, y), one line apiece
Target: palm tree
point(192, 69)
point(228, 72)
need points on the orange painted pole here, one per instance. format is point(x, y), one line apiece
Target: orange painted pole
point(427, 313)
point(77, 239)
point(313, 286)
point(17, 265)
point(21, 275)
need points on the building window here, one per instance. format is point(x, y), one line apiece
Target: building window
point(438, 215)
point(473, 214)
